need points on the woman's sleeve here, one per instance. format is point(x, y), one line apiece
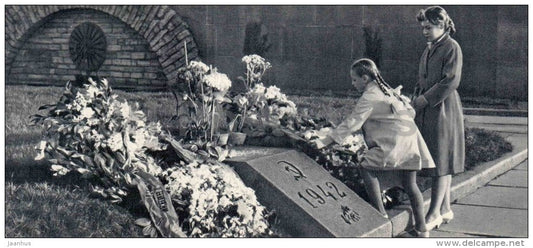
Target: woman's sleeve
point(451, 76)
point(355, 120)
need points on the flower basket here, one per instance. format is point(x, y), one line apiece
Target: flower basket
point(237, 138)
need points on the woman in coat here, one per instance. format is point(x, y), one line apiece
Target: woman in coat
point(439, 110)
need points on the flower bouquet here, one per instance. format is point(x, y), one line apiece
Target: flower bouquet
point(259, 111)
point(187, 190)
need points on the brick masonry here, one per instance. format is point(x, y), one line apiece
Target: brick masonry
point(37, 44)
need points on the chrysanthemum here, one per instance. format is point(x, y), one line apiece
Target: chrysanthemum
point(218, 81)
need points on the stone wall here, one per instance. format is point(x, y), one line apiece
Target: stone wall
point(313, 46)
point(512, 47)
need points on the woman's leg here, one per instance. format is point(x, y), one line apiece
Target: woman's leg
point(446, 203)
point(416, 199)
point(438, 190)
point(373, 190)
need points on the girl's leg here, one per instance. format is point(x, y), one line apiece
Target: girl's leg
point(416, 199)
point(446, 203)
point(373, 190)
point(438, 190)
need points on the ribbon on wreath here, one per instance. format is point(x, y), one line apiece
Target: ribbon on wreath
point(159, 205)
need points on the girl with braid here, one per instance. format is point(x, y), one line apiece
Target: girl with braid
point(394, 142)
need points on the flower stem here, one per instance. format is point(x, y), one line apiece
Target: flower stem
point(212, 119)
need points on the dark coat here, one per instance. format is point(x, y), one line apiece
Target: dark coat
point(441, 122)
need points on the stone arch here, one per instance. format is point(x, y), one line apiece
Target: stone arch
point(162, 27)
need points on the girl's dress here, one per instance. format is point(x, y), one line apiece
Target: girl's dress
point(393, 140)
point(441, 122)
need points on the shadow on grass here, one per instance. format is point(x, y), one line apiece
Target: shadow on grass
point(35, 210)
point(39, 204)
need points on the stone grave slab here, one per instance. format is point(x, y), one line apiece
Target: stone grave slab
point(309, 202)
point(504, 197)
point(512, 178)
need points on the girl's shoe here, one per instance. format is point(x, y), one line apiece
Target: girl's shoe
point(434, 223)
point(447, 217)
point(422, 234)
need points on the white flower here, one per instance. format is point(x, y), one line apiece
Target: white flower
point(79, 102)
point(115, 142)
point(92, 90)
point(310, 134)
point(40, 148)
point(87, 113)
point(93, 121)
point(258, 89)
point(218, 81)
point(353, 140)
point(224, 201)
point(273, 92)
point(241, 100)
point(93, 83)
point(199, 66)
point(256, 61)
point(244, 211)
point(104, 81)
point(125, 109)
point(59, 170)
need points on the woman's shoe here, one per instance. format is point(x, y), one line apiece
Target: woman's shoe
point(447, 217)
point(434, 223)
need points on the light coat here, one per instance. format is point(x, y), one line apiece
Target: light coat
point(393, 140)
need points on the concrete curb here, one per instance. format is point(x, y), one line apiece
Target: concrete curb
point(495, 112)
point(463, 184)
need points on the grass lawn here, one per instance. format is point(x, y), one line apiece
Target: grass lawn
point(38, 205)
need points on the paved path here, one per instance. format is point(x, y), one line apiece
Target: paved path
point(498, 209)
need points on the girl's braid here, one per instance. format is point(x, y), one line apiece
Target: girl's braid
point(384, 86)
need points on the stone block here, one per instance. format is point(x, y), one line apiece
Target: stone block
point(512, 178)
point(223, 15)
point(401, 15)
point(508, 222)
point(136, 75)
point(302, 42)
point(517, 15)
point(350, 15)
point(307, 199)
point(230, 41)
point(326, 15)
point(338, 42)
point(523, 166)
point(298, 15)
point(506, 197)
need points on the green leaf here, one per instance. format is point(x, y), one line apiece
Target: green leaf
point(153, 233)
point(147, 230)
point(47, 106)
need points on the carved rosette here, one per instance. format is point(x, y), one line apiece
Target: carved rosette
point(87, 47)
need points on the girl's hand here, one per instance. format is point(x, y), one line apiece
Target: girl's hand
point(419, 103)
point(321, 143)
